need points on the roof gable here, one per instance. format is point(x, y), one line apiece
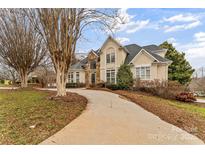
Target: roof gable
point(134, 50)
point(112, 39)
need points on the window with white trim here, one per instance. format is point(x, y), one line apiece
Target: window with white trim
point(110, 57)
point(107, 58)
point(77, 77)
point(143, 72)
point(110, 76)
point(70, 77)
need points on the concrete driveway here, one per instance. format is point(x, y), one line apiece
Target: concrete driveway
point(110, 119)
point(200, 100)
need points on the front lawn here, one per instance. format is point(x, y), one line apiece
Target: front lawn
point(4, 85)
point(29, 116)
point(188, 116)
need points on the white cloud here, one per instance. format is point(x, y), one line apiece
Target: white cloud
point(181, 22)
point(124, 15)
point(200, 37)
point(123, 39)
point(136, 26)
point(196, 48)
point(181, 18)
point(173, 41)
point(181, 27)
point(130, 25)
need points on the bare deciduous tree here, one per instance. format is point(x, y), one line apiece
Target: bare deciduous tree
point(8, 73)
point(20, 46)
point(62, 28)
point(45, 73)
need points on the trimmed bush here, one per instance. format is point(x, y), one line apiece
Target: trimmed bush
point(75, 85)
point(124, 77)
point(186, 97)
point(2, 81)
point(112, 86)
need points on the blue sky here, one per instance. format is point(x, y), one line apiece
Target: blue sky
point(185, 28)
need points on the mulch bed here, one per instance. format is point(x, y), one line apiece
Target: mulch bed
point(190, 122)
point(70, 97)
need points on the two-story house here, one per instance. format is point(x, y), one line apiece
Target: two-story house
point(147, 63)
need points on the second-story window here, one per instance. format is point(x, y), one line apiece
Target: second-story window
point(110, 57)
point(93, 64)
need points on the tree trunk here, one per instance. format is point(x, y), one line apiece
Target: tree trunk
point(24, 80)
point(61, 83)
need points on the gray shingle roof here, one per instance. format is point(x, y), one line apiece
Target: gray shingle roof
point(134, 49)
point(79, 65)
point(158, 57)
point(97, 51)
point(151, 47)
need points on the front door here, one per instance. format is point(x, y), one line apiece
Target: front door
point(93, 78)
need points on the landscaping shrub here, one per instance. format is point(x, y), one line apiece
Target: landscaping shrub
point(112, 86)
point(124, 77)
point(2, 81)
point(75, 85)
point(186, 97)
point(166, 89)
point(100, 85)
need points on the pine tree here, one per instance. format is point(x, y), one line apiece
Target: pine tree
point(124, 77)
point(180, 70)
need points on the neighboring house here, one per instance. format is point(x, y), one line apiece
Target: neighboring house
point(147, 63)
point(197, 85)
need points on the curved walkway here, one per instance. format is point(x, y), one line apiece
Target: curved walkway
point(110, 119)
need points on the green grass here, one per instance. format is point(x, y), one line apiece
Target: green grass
point(24, 108)
point(4, 85)
point(188, 107)
point(185, 106)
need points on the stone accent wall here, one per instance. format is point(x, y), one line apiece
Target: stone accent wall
point(92, 57)
point(98, 73)
point(87, 76)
